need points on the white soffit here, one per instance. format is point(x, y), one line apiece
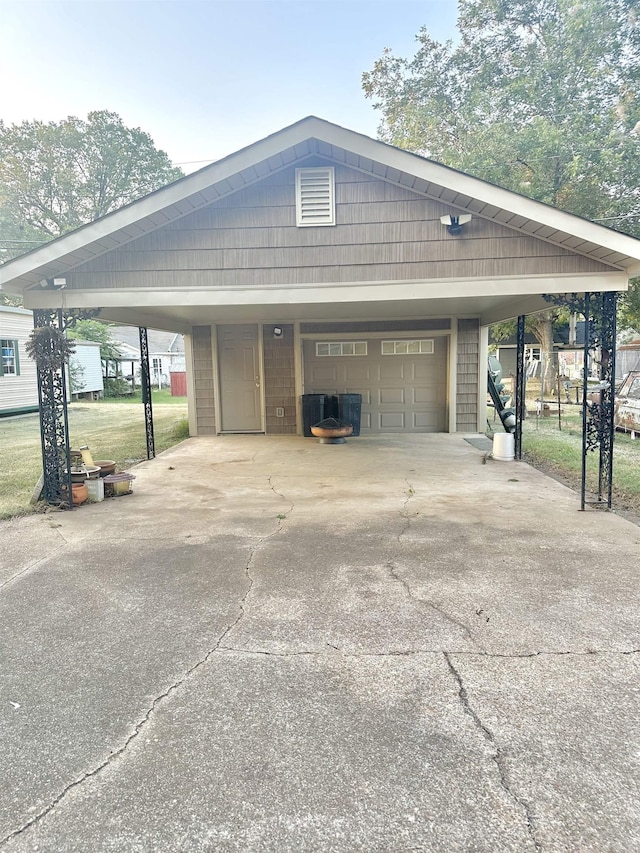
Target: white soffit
point(297, 142)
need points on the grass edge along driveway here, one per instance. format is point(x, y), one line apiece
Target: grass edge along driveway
point(112, 431)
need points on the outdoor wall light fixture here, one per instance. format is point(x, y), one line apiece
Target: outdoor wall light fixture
point(454, 223)
point(53, 283)
point(277, 331)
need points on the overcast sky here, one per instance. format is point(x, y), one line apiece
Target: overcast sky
point(204, 78)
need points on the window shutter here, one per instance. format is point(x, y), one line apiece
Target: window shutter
point(315, 202)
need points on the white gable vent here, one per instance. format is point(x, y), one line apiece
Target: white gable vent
point(315, 200)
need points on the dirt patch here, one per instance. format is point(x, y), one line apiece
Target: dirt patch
point(624, 504)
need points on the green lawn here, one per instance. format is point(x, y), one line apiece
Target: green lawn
point(113, 430)
point(557, 449)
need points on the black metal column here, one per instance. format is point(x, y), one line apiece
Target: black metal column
point(145, 378)
point(520, 386)
point(54, 423)
point(598, 430)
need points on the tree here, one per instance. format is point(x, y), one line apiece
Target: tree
point(94, 330)
point(57, 176)
point(541, 325)
point(539, 96)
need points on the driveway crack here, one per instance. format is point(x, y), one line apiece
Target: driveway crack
point(284, 498)
point(393, 571)
point(158, 700)
point(32, 566)
point(498, 756)
point(404, 512)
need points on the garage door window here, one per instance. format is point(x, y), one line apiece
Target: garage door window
point(423, 347)
point(341, 348)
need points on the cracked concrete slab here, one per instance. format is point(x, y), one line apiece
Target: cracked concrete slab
point(89, 641)
point(521, 592)
point(347, 595)
point(275, 644)
point(27, 541)
point(567, 727)
point(330, 753)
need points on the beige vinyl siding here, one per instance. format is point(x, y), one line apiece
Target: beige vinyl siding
point(467, 376)
point(18, 392)
point(203, 380)
point(383, 232)
point(279, 381)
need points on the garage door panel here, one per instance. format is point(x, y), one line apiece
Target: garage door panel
point(393, 396)
point(392, 421)
point(392, 368)
point(431, 395)
point(427, 369)
point(357, 371)
point(400, 393)
point(324, 374)
point(427, 422)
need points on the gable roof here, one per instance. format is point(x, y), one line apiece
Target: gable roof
point(159, 341)
point(307, 137)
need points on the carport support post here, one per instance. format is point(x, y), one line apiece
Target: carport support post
point(145, 378)
point(54, 422)
point(520, 386)
point(598, 426)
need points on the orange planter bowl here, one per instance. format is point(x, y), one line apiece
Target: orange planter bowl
point(79, 492)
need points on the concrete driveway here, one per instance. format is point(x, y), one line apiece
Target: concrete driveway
point(278, 645)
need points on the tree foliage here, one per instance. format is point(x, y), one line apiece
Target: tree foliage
point(57, 176)
point(94, 330)
point(539, 96)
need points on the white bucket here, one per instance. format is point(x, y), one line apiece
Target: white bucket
point(95, 489)
point(504, 447)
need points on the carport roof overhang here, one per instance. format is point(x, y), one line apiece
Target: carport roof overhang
point(490, 299)
point(314, 137)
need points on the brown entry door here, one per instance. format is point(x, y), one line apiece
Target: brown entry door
point(240, 380)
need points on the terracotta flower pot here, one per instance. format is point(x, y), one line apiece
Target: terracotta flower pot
point(79, 493)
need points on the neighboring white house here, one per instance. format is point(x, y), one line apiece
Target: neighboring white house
point(18, 375)
point(85, 370)
point(166, 350)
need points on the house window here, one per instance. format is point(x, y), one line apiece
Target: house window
point(9, 363)
point(315, 197)
point(156, 367)
point(341, 348)
point(421, 347)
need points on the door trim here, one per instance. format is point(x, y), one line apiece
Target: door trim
point(217, 396)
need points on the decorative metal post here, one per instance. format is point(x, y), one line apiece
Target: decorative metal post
point(598, 425)
point(520, 386)
point(52, 398)
point(145, 378)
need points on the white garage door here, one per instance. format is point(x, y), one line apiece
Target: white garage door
point(403, 381)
